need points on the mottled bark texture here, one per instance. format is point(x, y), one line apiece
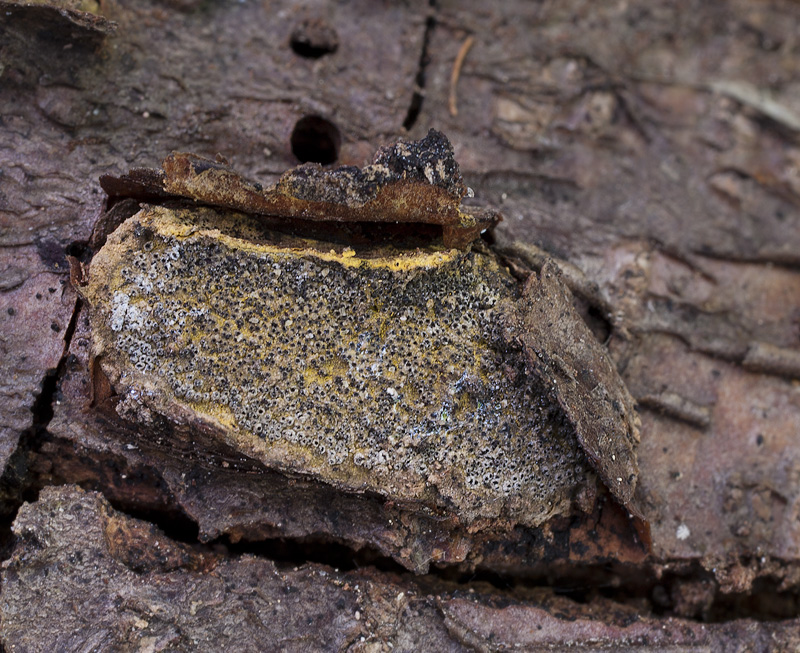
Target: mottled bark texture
point(648, 150)
point(142, 591)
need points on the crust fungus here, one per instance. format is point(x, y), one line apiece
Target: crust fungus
point(392, 359)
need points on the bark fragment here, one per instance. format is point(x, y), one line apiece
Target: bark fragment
point(408, 182)
point(33, 308)
point(581, 377)
point(82, 17)
point(126, 586)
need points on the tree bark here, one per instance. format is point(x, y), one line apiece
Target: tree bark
point(651, 150)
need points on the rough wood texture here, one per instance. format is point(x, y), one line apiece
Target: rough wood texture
point(583, 379)
point(133, 588)
point(651, 148)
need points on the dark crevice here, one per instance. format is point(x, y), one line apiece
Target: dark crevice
point(671, 595)
point(690, 593)
point(488, 237)
point(417, 99)
point(81, 250)
point(15, 486)
point(42, 407)
point(293, 552)
point(173, 522)
point(33, 466)
point(765, 602)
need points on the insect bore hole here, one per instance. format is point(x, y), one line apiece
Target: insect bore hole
point(315, 139)
point(313, 38)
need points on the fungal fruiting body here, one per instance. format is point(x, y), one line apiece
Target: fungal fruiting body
point(342, 325)
point(384, 370)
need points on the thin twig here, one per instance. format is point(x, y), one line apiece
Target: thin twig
point(456, 73)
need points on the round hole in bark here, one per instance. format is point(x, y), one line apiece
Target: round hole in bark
point(313, 38)
point(316, 139)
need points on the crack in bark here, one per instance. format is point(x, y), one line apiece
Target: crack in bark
point(684, 590)
point(42, 408)
point(671, 594)
point(417, 99)
point(15, 486)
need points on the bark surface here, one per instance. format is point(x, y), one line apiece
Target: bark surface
point(650, 152)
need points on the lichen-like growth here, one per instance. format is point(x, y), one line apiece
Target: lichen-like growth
point(382, 371)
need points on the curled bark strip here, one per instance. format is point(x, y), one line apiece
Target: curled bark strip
point(408, 182)
point(765, 357)
point(678, 407)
